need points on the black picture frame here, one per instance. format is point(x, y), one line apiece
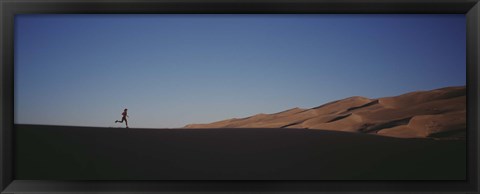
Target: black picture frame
point(9, 8)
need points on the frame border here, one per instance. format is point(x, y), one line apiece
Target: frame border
point(8, 9)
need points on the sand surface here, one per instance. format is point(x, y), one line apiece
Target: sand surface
point(439, 114)
point(89, 153)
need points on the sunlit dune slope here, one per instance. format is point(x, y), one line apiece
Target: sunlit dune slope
point(439, 113)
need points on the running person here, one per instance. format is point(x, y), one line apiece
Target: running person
point(124, 118)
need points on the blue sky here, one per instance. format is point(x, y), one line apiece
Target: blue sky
point(173, 70)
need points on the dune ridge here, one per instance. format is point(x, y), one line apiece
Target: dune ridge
point(438, 114)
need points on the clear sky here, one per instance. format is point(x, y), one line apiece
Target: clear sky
point(173, 70)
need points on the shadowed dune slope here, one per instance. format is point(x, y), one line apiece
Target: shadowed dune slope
point(439, 113)
point(95, 153)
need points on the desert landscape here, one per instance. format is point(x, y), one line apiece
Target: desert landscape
point(414, 136)
point(240, 97)
point(437, 114)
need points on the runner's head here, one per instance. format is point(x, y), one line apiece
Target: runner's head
point(125, 110)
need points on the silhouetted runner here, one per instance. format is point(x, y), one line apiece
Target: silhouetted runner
point(124, 118)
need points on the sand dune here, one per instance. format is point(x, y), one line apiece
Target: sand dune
point(439, 113)
point(86, 153)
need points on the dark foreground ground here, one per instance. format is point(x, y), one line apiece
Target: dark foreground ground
point(76, 153)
